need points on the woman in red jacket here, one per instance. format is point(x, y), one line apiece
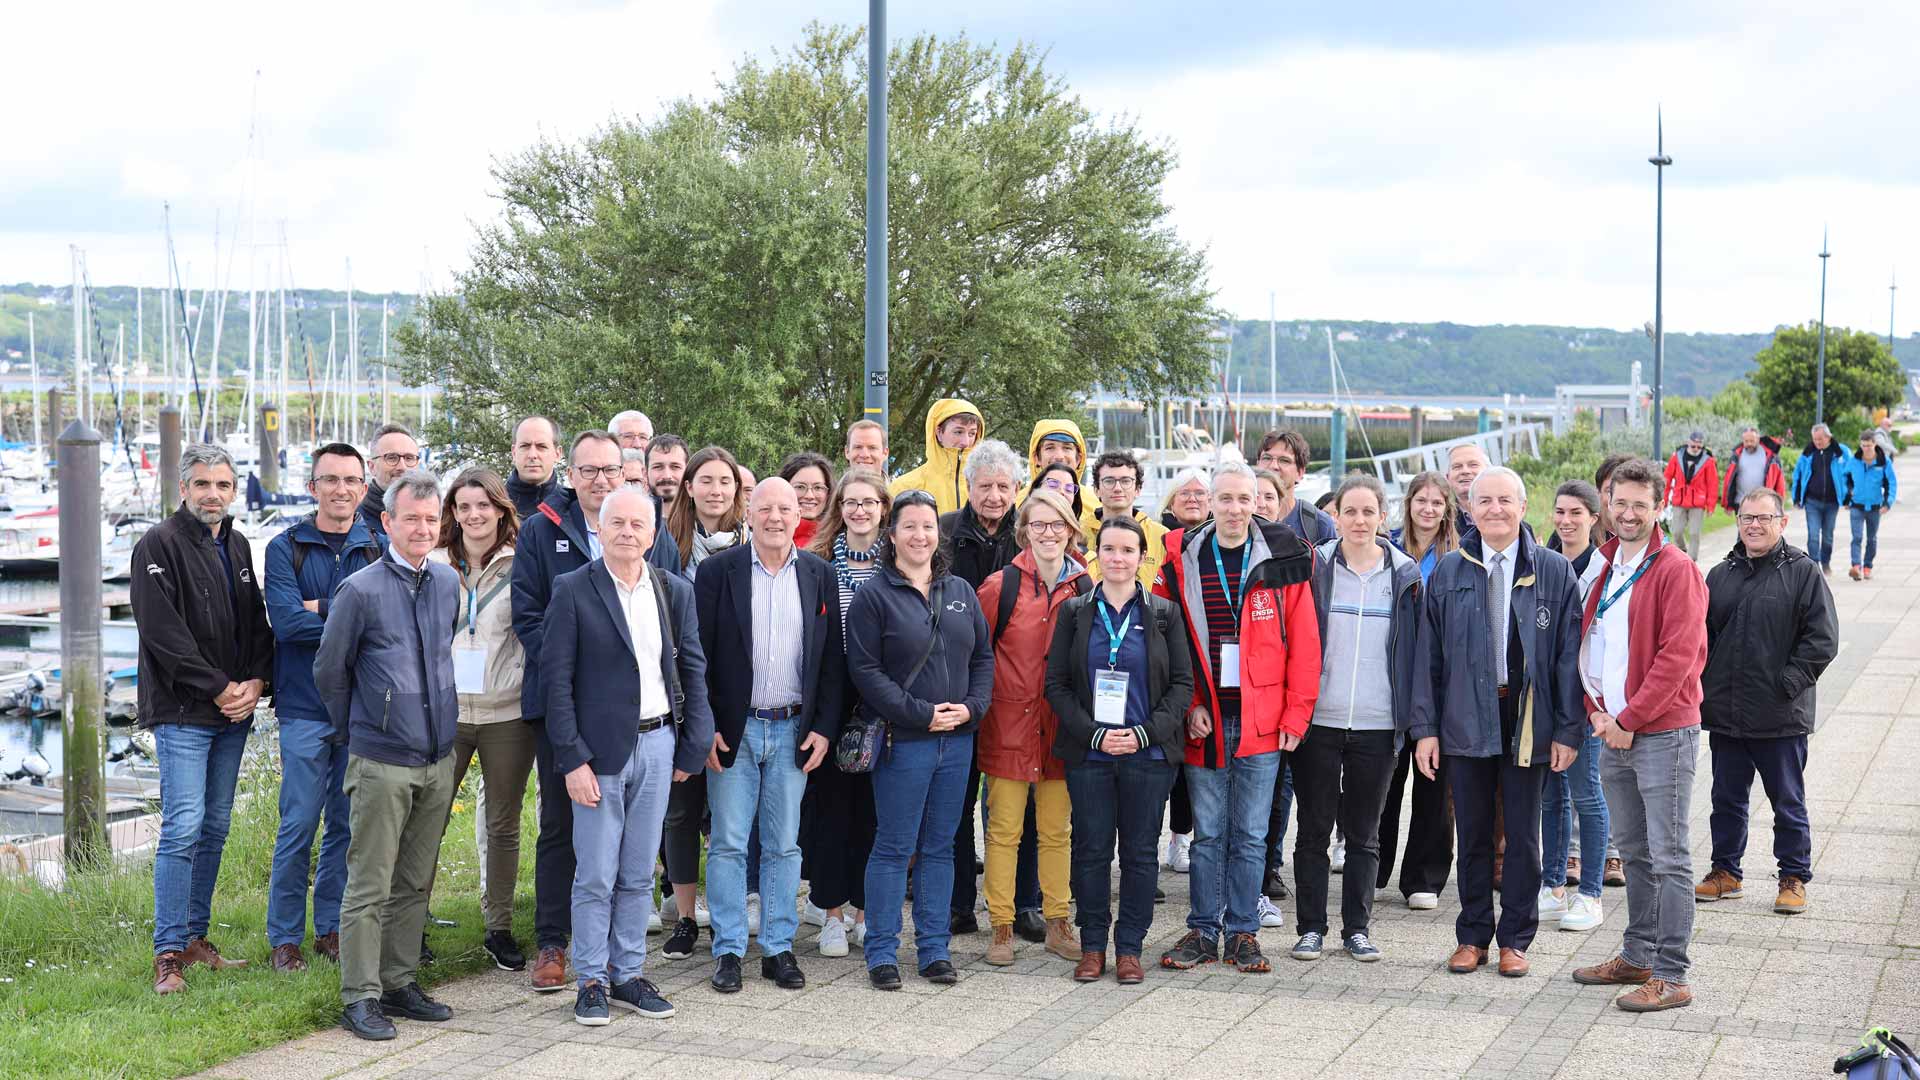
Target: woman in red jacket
point(1016, 737)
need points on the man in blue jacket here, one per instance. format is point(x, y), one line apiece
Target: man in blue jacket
point(1819, 479)
point(385, 670)
point(561, 536)
point(626, 717)
point(1496, 689)
point(305, 565)
point(1870, 490)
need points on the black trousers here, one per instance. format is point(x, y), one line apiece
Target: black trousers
point(1473, 781)
point(552, 852)
point(1429, 856)
point(680, 834)
point(1026, 867)
point(1338, 776)
point(1179, 806)
point(836, 836)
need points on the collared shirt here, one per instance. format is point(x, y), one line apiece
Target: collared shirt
point(1508, 556)
point(1607, 654)
point(777, 633)
point(594, 551)
point(643, 626)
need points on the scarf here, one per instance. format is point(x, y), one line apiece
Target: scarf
point(1691, 462)
point(706, 543)
point(843, 561)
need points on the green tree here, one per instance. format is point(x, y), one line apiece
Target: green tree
point(1861, 374)
point(708, 266)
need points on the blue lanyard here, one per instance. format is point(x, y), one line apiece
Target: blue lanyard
point(1114, 640)
point(473, 601)
point(1608, 602)
point(1233, 590)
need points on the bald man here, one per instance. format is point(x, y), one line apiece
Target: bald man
point(771, 613)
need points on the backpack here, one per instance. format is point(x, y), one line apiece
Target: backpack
point(1010, 595)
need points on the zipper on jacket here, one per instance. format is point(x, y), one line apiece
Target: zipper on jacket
point(386, 711)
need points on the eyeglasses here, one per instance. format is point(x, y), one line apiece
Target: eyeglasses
point(1046, 528)
point(860, 504)
point(590, 473)
point(409, 460)
point(1274, 461)
point(1117, 481)
point(339, 481)
point(1065, 487)
point(1190, 496)
point(1757, 519)
point(811, 489)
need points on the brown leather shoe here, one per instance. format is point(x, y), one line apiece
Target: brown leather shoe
point(1793, 896)
point(1616, 876)
point(287, 958)
point(1717, 885)
point(1615, 972)
point(168, 978)
point(550, 971)
point(1061, 940)
point(1127, 970)
point(1657, 995)
point(1466, 959)
point(1092, 965)
point(1513, 963)
point(202, 951)
point(1000, 949)
point(328, 945)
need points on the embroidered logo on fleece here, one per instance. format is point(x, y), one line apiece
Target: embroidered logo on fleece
point(1260, 606)
point(1543, 618)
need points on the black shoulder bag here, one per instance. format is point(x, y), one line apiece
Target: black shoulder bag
point(859, 744)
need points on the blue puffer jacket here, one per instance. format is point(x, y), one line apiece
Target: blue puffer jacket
point(1870, 485)
point(385, 666)
point(295, 629)
point(1837, 468)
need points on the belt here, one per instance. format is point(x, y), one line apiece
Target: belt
point(1503, 692)
point(784, 712)
point(651, 723)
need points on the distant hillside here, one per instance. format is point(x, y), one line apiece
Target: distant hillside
point(113, 307)
point(1446, 358)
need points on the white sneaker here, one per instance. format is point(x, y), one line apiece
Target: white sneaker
point(1180, 857)
point(857, 933)
point(654, 924)
point(1339, 864)
point(813, 916)
point(669, 908)
point(1583, 913)
point(753, 913)
point(701, 916)
point(1551, 905)
point(1423, 901)
point(1270, 916)
point(833, 938)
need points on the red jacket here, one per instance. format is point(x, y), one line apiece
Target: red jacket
point(1775, 479)
point(1699, 493)
point(1279, 639)
point(1667, 642)
point(1015, 741)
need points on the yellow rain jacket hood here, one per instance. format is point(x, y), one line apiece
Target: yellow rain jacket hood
point(1042, 429)
point(942, 474)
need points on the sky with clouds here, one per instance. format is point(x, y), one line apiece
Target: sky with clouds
point(1477, 162)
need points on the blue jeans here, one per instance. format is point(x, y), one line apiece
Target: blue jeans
point(1117, 802)
point(1230, 810)
point(1866, 523)
point(1576, 791)
point(762, 787)
point(615, 844)
point(313, 775)
point(1782, 765)
point(199, 768)
point(918, 785)
point(1822, 516)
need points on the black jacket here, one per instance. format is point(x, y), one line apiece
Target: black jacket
point(190, 644)
point(1070, 681)
point(975, 553)
point(723, 599)
point(528, 497)
point(887, 632)
point(372, 505)
point(1771, 631)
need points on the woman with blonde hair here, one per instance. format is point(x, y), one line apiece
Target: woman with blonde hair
point(1427, 516)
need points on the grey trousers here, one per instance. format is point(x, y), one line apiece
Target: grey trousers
point(614, 845)
point(398, 813)
point(1685, 528)
point(1649, 789)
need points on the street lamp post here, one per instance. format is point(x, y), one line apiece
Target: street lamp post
point(1659, 161)
point(1820, 365)
point(876, 337)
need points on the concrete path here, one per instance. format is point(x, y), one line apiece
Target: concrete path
point(1775, 996)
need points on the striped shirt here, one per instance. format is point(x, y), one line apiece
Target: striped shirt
point(1221, 616)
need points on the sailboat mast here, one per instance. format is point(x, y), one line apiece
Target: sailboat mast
point(33, 367)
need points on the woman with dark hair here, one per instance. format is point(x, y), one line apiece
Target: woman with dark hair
point(710, 508)
point(1061, 478)
point(836, 819)
point(920, 658)
point(1427, 529)
point(477, 530)
point(1576, 518)
point(1121, 697)
point(812, 480)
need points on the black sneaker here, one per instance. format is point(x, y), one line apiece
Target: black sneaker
point(1275, 885)
point(1243, 952)
point(884, 977)
point(1361, 948)
point(1159, 895)
point(642, 997)
point(366, 1021)
point(680, 943)
point(1031, 925)
point(590, 1007)
point(413, 1003)
point(506, 954)
point(941, 972)
point(963, 922)
point(1190, 952)
point(1308, 947)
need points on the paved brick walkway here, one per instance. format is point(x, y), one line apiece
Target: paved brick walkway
point(1775, 996)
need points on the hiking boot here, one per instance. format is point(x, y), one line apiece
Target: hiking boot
point(550, 970)
point(1792, 899)
point(1092, 965)
point(1717, 885)
point(1243, 952)
point(1000, 951)
point(202, 951)
point(1615, 972)
point(1190, 951)
point(1061, 940)
point(168, 978)
point(1616, 875)
point(328, 945)
point(286, 958)
point(1656, 995)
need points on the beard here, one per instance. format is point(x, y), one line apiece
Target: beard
point(209, 517)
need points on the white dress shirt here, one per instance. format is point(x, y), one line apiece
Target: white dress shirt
point(1607, 654)
point(643, 626)
point(1504, 601)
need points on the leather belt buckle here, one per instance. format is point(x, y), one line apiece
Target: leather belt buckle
point(653, 723)
point(1503, 692)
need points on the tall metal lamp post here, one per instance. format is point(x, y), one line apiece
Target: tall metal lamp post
point(1820, 365)
point(876, 338)
point(1659, 161)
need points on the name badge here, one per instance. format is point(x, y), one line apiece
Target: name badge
point(1110, 698)
point(1229, 663)
point(470, 669)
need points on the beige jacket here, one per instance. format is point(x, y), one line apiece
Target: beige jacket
point(492, 629)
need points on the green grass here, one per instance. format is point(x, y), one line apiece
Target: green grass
point(76, 966)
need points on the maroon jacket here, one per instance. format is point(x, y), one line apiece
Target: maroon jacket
point(1667, 645)
point(1015, 741)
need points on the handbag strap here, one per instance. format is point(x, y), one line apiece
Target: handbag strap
point(933, 639)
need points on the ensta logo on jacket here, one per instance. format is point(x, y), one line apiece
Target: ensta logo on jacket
point(1260, 606)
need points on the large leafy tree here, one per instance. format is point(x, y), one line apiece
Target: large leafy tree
point(1861, 374)
point(708, 266)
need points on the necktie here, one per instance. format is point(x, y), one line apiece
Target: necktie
point(1496, 608)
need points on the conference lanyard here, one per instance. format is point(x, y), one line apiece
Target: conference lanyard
point(1232, 591)
point(1114, 640)
point(1608, 602)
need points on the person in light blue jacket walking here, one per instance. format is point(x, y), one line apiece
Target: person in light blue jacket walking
point(1870, 490)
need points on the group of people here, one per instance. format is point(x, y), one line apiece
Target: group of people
point(825, 678)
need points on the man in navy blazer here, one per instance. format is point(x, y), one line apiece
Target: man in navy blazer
point(770, 616)
point(626, 715)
